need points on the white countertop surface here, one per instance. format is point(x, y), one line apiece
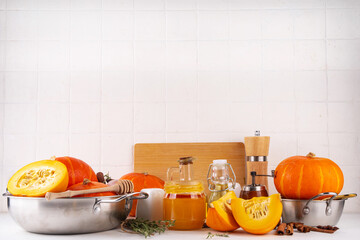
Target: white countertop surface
point(349, 229)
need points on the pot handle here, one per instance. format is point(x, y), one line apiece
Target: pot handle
point(131, 196)
point(328, 210)
point(142, 195)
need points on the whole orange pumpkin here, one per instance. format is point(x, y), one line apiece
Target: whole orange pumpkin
point(87, 184)
point(302, 177)
point(141, 181)
point(78, 170)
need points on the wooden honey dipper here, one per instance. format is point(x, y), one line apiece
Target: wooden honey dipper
point(122, 186)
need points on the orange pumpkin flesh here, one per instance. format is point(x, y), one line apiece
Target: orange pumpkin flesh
point(302, 177)
point(77, 169)
point(258, 215)
point(38, 178)
point(141, 181)
point(87, 184)
point(219, 217)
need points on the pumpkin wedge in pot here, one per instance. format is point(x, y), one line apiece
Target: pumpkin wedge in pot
point(38, 178)
point(219, 216)
point(258, 215)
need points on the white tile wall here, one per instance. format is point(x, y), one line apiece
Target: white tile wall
point(117, 25)
point(213, 55)
point(245, 25)
point(277, 24)
point(181, 25)
point(89, 78)
point(117, 86)
point(245, 86)
point(240, 50)
point(213, 86)
point(309, 24)
point(149, 25)
point(53, 25)
point(117, 117)
point(20, 87)
point(181, 86)
point(25, 22)
point(311, 85)
point(278, 86)
point(181, 117)
point(278, 55)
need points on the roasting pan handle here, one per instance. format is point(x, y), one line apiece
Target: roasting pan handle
point(328, 210)
point(130, 196)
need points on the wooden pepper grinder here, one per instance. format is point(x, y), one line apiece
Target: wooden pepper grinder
point(257, 150)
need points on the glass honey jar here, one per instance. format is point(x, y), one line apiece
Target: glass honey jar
point(184, 200)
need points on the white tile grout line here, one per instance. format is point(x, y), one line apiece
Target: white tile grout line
point(229, 102)
point(166, 75)
point(101, 160)
point(69, 76)
point(133, 84)
point(3, 110)
point(197, 74)
point(191, 40)
point(176, 10)
point(262, 75)
point(36, 137)
point(327, 85)
point(294, 84)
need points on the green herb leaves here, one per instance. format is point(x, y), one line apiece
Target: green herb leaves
point(146, 227)
point(211, 235)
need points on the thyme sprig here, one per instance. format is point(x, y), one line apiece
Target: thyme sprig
point(107, 177)
point(211, 235)
point(146, 227)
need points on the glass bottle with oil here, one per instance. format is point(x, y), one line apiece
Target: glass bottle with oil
point(219, 180)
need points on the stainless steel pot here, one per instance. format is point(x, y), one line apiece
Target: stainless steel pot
point(71, 215)
point(313, 212)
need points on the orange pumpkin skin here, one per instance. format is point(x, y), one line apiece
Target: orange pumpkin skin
point(77, 169)
point(219, 216)
point(90, 185)
point(214, 221)
point(141, 181)
point(303, 177)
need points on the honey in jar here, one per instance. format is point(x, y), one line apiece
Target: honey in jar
point(184, 200)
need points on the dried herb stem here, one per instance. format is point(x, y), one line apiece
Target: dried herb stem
point(146, 227)
point(211, 235)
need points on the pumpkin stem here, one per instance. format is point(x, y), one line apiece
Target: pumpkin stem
point(146, 173)
point(311, 155)
point(86, 181)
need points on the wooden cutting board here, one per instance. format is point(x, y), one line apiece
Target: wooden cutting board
point(156, 158)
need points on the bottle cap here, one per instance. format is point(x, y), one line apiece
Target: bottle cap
point(256, 187)
point(219, 161)
point(186, 160)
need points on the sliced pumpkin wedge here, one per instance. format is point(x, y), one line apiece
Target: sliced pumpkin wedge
point(220, 216)
point(38, 178)
point(258, 215)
